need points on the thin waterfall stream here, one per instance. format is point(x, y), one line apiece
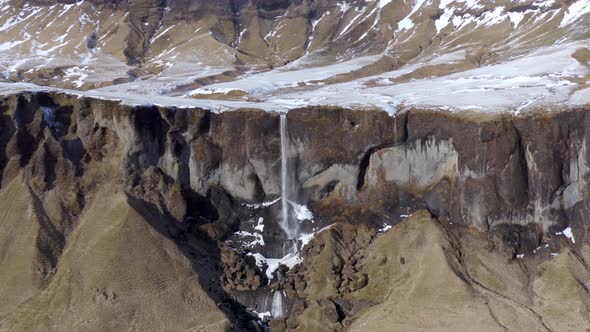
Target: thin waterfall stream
point(283, 246)
point(288, 224)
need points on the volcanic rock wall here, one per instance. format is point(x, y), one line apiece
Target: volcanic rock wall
point(485, 170)
point(520, 180)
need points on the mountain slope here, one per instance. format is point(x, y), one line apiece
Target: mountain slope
point(116, 273)
point(285, 53)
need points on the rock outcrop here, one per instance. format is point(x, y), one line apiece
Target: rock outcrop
point(426, 274)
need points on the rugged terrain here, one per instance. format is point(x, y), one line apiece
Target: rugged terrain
point(297, 165)
point(123, 214)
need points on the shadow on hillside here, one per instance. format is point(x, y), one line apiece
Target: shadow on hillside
point(205, 258)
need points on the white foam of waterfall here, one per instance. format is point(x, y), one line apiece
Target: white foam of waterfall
point(277, 309)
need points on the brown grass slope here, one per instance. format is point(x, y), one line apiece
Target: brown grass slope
point(117, 273)
point(431, 275)
point(435, 280)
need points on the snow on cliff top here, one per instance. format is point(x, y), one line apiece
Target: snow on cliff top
point(496, 56)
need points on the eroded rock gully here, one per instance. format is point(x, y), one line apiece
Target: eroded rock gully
point(486, 197)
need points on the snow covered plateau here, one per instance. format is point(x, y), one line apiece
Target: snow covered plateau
point(478, 55)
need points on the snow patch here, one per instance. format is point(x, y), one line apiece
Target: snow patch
point(575, 11)
point(344, 6)
point(568, 233)
point(352, 22)
point(494, 17)
point(78, 73)
point(263, 315)
point(290, 261)
point(516, 18)
point(407, 23)
point(385, 228)
point(9, 45)
point(383, 3)
point(443, 21)
point(163, 32)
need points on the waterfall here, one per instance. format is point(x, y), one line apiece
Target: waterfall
point(287, 253)
point(394, 128)
point(277, 305)
point(288, 224)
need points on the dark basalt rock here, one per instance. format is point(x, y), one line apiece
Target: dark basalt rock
point(363, 166)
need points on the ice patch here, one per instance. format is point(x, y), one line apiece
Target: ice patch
point(290, 260)
point(257, 238)
point(260, 225)
point(210, 91)
point(273, 264)
point(263, 315)
point(262, 205)
point(302, 212)
point(305, 238)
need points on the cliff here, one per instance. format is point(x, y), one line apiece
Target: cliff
point(113, 213)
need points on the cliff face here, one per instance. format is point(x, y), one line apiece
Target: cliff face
point(484, 170)
point(194, 182)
